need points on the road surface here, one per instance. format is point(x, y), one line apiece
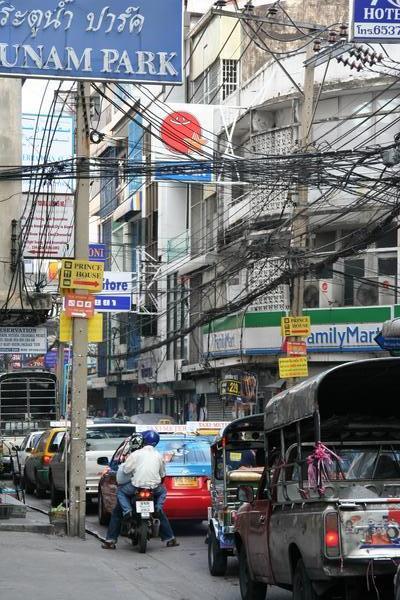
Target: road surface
point(166, 573)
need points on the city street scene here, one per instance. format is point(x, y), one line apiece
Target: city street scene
point(200, 299)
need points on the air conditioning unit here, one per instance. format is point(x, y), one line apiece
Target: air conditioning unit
point(376, 291)
point(236, 286)
point(323, 293)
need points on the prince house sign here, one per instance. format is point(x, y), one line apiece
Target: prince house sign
point(77, 39)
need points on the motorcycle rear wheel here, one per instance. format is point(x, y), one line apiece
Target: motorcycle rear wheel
point(143, 530)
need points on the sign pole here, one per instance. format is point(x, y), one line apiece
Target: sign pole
point(77, 483)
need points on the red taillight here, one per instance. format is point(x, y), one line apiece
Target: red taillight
point(47, 459)
point(145, 494)
point(332, 537)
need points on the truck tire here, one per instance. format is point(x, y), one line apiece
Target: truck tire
point(249, 589)
point(103, 516)
point(41, 492)
point(56, 497)
point(28, 485)
point(217, 558)
point(302, 586)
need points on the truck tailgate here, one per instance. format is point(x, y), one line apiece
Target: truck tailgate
point(370, 530)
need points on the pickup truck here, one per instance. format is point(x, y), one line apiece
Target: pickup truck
point(325, 519)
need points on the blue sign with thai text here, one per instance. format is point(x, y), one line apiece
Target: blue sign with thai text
point(76, 39)
point(375, 20)
point(113, 303)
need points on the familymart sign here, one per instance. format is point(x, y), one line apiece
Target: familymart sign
point(335, 330)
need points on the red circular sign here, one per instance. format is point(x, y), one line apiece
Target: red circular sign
point(181, 132)
point(324, 286)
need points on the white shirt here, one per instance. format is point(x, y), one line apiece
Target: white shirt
point(146, 467)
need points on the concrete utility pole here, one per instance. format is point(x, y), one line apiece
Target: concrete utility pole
point(300, 218)
point(10, 191)
point(77, 482)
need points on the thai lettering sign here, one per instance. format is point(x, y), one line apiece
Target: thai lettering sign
point(375, 20)
point(293, 367)
point(76, 39)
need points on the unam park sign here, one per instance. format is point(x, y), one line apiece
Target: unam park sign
point(375, 20)
point(140, 41)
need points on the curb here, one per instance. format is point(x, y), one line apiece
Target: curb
point(43, 528)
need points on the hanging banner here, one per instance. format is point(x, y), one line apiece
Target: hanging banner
point(184, 138)
point(51, 230)
point(76, 39)
point(375, 21)
point(46, 138)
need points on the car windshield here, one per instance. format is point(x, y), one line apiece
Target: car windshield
point(183, 452)
point(101, 444)
point(110, 432)
point(35, 439)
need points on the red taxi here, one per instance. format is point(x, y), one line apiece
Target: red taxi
point(188, 469)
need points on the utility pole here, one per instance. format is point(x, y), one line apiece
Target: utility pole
point(77, 482)
point(300, 217)
point(60, 379)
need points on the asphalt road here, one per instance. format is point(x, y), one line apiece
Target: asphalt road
point(167, 573)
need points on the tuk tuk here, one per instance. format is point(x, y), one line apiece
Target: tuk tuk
point(325, 520)
point(237, 457)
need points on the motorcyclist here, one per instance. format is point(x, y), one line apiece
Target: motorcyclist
point(146, 469)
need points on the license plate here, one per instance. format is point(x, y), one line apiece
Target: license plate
point(144, 506)
point(185, 481)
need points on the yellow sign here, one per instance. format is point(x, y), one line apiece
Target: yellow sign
point(296, 326)
point(293, 367)
point(81, 275)
point(95, 328)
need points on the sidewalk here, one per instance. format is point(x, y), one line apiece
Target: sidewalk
point(41, 567)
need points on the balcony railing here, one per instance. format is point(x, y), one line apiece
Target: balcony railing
point(178, 247)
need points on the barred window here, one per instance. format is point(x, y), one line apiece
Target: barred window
point(229, 77)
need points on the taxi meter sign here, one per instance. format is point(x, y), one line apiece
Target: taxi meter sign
point(296, 326)
point(82, 275)
point(293, 367)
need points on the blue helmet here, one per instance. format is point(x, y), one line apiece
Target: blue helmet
point(150, 438)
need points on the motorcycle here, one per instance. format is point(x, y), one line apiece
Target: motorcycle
point(144, 523)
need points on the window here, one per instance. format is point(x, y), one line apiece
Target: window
point(216, 83)
point(177, 313)
point(229, 77)
point(182, 452)
point(56, 441)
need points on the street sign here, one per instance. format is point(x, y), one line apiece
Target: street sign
point(113, 303)
point(92, 41)
point(95, 328)
point(79, 306)
point(375, 21)
point(97, 252)
point(296, 326)
point(294, 348)
point(23, 340)
point(293, 367)
point(81, 275)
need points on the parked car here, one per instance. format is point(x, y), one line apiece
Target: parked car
point(29, 443)
point(188, 470)
point(101, 440)
point(36, 470)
